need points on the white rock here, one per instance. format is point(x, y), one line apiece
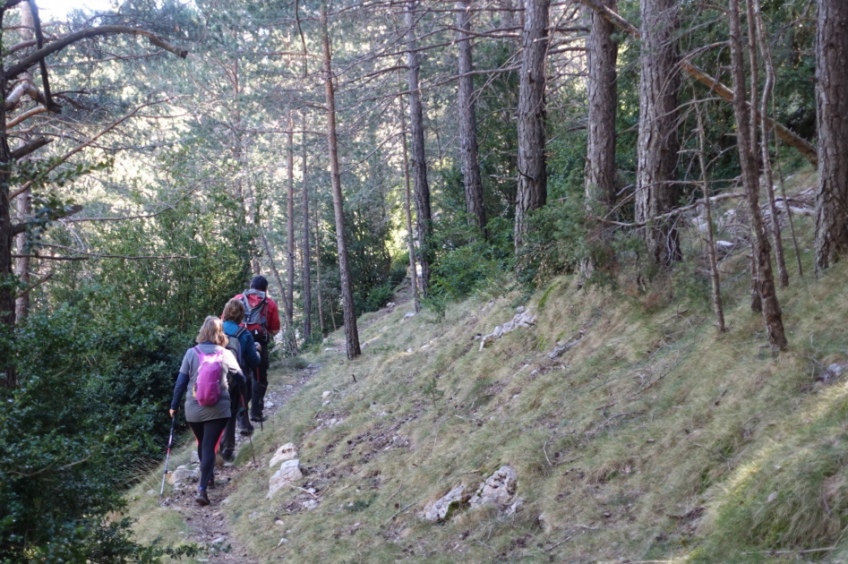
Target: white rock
point(183, 474)
point(289, 472)
point(498, 489)
point(219, 540)
point(438, 510)
point(408, 314)
point(285, 452)
point(326, 394)
point(269, 404)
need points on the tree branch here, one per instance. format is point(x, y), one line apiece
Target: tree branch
point(56, 46)
point(30, 147)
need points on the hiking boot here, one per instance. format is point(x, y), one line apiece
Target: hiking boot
point(228, 455)
point(201, 497)
point(258, 417)
point(246, 431)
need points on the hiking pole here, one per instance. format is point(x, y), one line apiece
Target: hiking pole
point(261, 415)
point(167, 456)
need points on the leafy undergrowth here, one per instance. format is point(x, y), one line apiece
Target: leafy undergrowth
point(652, 438)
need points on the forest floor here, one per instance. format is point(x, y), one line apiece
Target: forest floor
point(208, 526)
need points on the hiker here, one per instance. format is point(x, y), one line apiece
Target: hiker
point(245, 349)
point(207, 404)
point(262, 319)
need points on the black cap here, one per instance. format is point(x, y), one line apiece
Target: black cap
point(259, 283)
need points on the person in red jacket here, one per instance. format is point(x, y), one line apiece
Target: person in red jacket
point(262, 319)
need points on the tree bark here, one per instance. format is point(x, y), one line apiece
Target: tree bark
point(715, 280)
point(24, 201)
point(758, 34)
point(410, 242)
point(832, 112)
point(351, 333)
point(307, 266)
point(469, 151)
point(748, 161)
point(419, 158)
point(290, 247)
point(658, 142)
point(601, 55)
point(532, 190)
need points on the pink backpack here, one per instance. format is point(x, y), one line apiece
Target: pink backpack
point(207, 387)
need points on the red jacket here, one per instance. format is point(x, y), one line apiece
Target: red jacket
point(272, 311)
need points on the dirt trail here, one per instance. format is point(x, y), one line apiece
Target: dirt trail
point(208, 526)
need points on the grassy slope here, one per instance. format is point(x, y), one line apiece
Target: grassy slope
point(653, 438)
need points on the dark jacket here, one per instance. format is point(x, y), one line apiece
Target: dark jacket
point(250, 356)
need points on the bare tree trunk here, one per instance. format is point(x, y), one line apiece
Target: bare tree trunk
point(351, 332)
point(532, 167)
point(715, 279)
point(419, 158)
point(24, 204)
point(757, 35)
point(410, 242)
point(290, 250)
point(658, 141)
point(307, 266)
point(601, 54)
point(832, 112)
point(7, 289)
point(318, 272)
point(289, 336)
point(468, 148)
point(748, 161)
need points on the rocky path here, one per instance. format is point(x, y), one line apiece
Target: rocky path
point(208, 527)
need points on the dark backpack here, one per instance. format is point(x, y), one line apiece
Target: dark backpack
point(207, 387)
point(234, 345)
point(254, 317)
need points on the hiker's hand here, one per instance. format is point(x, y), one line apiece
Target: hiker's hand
point(172, 412)
point(258, 346)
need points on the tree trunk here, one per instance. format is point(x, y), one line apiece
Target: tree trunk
point(832, 111)
point(410, 242)
point(532, 168)
point(601, 54)
point(474, 204)
point(24, 203)
point(351, 333)
point(419, 158)
point(748, 161)
point(658, 142)
point(318, 272)
point(718, 308)
point(759, 34)
point(307, 266)
point(290, 249)
point(7, 288)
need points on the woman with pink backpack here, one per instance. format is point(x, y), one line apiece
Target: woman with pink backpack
point(206, 372)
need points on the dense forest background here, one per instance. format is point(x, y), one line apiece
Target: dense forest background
point(156, 156)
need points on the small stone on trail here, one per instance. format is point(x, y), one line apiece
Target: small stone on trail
point(283, 541)
point(279, 523)
point(326, 394)
point(285, 452)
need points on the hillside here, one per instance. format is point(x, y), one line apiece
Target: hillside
point(635, 432)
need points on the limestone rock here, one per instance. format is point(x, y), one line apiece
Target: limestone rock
point(285, 452)
point(182, 475)
point(440, 509)
point(498, 489)
point(289, 472)
point(523, 319)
